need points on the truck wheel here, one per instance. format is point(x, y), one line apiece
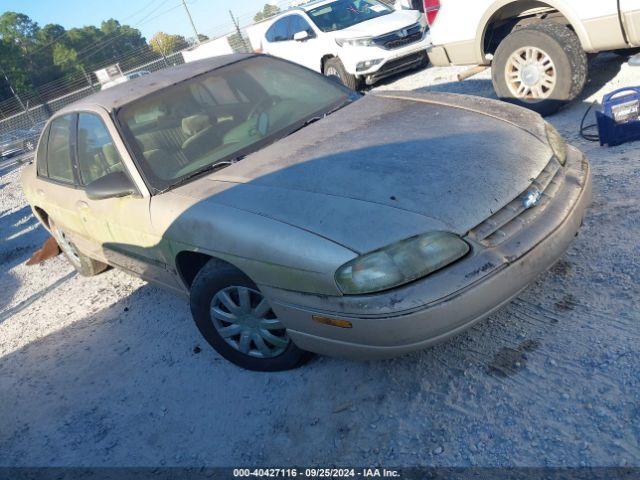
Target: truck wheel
point(333, 68)
point(540, 67)
point(85, 266)
point(238, 322)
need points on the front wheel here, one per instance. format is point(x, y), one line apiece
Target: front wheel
point(333, 68)
point(238, 321)
point(540, 67)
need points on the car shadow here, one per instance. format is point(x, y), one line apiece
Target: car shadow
point(20, 237)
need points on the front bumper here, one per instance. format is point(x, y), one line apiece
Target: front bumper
point(416, 316)
point(392, 61)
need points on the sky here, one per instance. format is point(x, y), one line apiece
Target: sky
point(149, 16)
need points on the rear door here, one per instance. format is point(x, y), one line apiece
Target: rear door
point(56, 184)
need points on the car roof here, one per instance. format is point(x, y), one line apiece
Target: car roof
point(127, 92)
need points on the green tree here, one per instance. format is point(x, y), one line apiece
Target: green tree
point(166, 44)
point(267, 11)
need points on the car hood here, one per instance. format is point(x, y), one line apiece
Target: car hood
point(379, 26)
point(387, 167)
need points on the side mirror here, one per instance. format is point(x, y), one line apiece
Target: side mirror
point(113, 185)
point(301, 36)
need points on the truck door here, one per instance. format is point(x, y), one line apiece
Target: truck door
point(630, 13)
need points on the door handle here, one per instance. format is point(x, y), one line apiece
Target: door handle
point(83, 208)
point(40, 192)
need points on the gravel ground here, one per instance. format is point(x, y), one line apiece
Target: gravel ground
point(112, 371)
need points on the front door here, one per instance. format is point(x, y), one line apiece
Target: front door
point(305, 52)
point(630, 10)
point(119, 228)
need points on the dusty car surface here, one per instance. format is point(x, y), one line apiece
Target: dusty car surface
point(300, 216)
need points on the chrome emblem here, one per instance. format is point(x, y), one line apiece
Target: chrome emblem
point(532, 198)
point(403, 33)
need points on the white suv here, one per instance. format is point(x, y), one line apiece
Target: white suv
point(355, 40)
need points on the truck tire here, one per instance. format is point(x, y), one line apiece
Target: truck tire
point(333, 68)
point(540, 67)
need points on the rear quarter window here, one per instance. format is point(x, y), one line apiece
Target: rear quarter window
point(41, 154)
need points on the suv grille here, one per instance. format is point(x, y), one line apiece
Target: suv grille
point(512, 218)
point(401, 38)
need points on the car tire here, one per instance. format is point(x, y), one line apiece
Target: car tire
point(333, 68)
point(235, 327)
point(85, 266)
point(540, 67)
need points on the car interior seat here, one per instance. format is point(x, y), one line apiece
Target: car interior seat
point(202, 136)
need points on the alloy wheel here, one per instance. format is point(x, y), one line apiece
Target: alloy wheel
point(531, 74)
point(332, 72)
point(245, 320)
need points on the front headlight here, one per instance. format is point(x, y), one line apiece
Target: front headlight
point(557, 143)
point(355, 42)
point(400, 263)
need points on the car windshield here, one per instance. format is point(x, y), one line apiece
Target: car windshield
point(341, 14)
point(213, 119)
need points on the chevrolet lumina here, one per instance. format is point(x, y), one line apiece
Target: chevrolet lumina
point(300, 216)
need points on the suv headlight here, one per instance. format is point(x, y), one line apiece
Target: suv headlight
point(400, 263)
point(557, 143)
point(355, 42)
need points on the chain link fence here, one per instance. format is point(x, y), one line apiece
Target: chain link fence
point(33, 116)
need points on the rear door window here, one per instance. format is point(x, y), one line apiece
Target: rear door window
point(59, 165)
point(97, 154)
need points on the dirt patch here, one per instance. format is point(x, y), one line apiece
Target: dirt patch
point(510, 361)
point(567, 303)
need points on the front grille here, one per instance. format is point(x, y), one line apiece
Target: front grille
point(511, 219)
point(400, 38)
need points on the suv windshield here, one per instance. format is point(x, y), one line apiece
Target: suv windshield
point(346, 13)
point(210, 120)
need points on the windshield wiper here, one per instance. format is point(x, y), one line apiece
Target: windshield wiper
point(324, 115)
point(213, 167)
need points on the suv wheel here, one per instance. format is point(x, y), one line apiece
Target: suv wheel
point(333, 68)
point(238, 322)
point(540, 67)
point(85, 266)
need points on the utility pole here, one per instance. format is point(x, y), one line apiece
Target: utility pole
point(193, 25)
point(239, 32)
point(87, 78)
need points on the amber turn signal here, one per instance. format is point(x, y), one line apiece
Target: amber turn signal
point(332, 322)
